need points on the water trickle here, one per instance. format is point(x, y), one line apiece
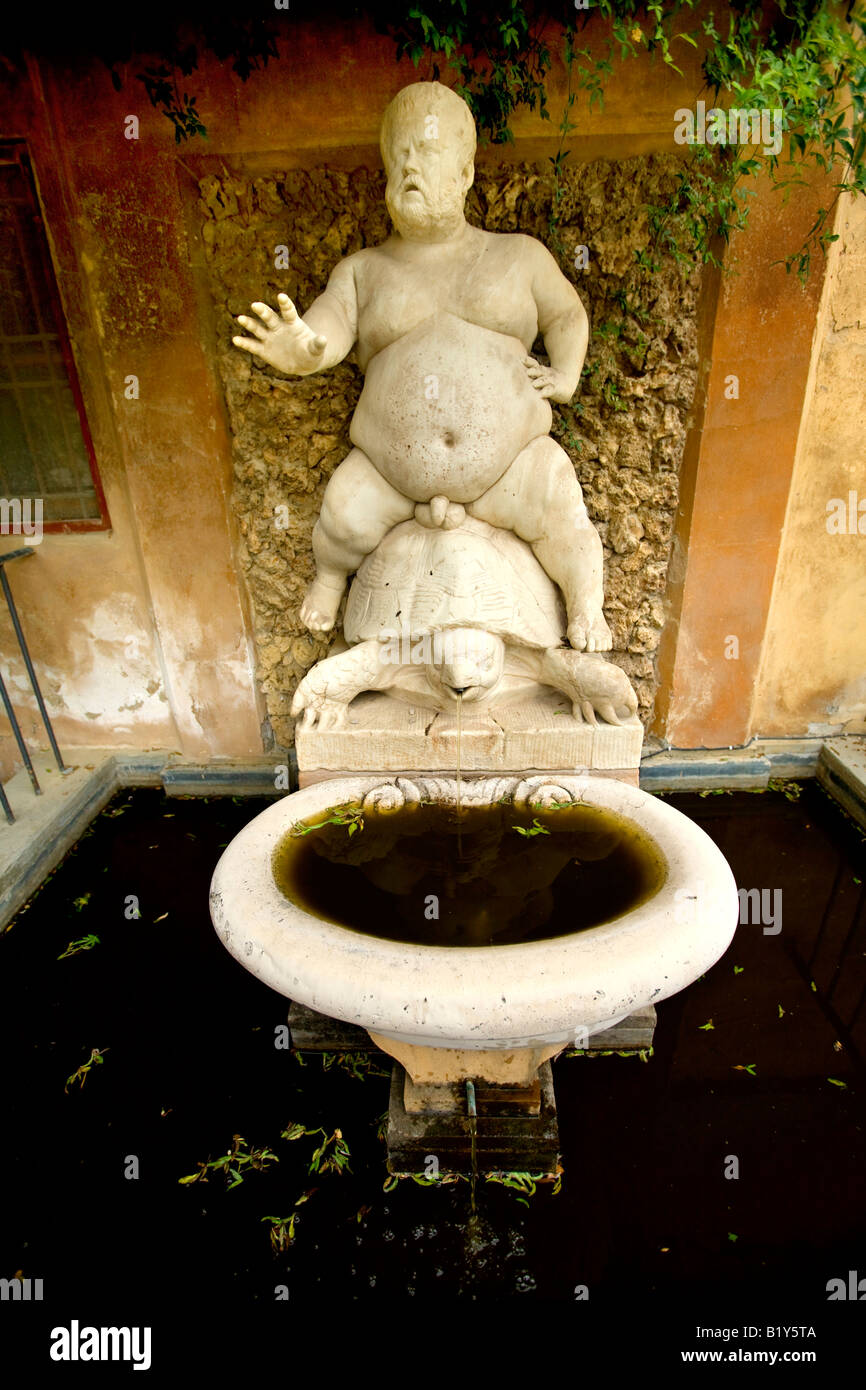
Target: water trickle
point(459, 793)
point(472, 1114)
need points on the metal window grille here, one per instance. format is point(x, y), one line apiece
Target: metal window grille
point(45, 447)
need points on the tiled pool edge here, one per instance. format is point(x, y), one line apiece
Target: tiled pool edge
point(842, 773)
point(754, 766)
point(47, 826)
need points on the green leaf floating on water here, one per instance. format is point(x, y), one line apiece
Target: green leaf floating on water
point(536, 829)
point(351, 816)
point(84, 943)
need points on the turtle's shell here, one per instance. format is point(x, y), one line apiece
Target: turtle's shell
point(421, 580)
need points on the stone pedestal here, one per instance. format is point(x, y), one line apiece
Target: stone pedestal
point(441, 1066)
point(538, 735)
point(516, 1126)
point(515, 1131)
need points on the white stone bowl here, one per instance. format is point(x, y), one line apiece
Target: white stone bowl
point(536, 993)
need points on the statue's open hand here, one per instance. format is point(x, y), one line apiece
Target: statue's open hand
point(548, 382)
point(283, 340)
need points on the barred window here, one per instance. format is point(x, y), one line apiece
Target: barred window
point(45, 446)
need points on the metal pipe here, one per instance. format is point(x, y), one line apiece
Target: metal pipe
point(4, 802)
point(19, 738)
point(470, 1100)
point(13, 613)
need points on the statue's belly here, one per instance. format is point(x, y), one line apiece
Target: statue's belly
point(446, 408)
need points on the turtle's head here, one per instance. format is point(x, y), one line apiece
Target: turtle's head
point(466, 662)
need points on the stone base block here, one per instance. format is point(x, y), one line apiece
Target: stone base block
point(314, 1032)
point(619, 774)
point(420, 1098)
point(842, 772)
point(386, 735)
point(634, 1034)
point(509, 1141)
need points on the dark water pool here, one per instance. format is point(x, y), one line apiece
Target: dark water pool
point(486, 876)
point(720, 1184)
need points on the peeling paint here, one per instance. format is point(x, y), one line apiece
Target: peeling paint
point(108, 663)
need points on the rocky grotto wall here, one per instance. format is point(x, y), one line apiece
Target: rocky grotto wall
point(625, 430)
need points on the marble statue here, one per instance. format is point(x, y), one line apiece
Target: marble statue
point(451, 441)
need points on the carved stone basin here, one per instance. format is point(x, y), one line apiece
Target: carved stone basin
point(495, 1011)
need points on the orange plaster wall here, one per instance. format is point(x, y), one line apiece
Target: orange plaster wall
point(140, 634)
point(763, 335)
point(813, 673)
point(83, 599)
point(333, 82)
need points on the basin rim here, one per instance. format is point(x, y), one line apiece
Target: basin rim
point(504, 996)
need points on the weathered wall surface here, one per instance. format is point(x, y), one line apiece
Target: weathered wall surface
point(624, 431)
point(814, 668)
point(139, 632)
point(85, 615)
point(738, 481)
point(144, 634)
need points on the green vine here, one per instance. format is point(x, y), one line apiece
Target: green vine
point(249, 43)
point(497, 52)
point(801, 58)
point(566, 128)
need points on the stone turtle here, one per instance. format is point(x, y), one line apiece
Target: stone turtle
point(449, 608)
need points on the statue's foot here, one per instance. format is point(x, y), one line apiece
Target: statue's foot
point(331, 714)
point(588, 633)
point(316, 710)
point(319, 608)
point(595, 686)
point(587, 710)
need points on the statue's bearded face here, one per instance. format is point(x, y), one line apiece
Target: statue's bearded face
point(428, 178)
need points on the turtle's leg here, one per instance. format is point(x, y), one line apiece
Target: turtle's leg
point(539, 498)
point(358, 509)
point(324, 695)
point(592, 683)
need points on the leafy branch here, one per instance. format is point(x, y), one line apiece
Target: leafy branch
point(83, 943)
point(331, 1156)
point(803, 58)
point(359, 1065)
point(249, 42)
point(81, 1073)
point(236, 1163)
point(352, 817)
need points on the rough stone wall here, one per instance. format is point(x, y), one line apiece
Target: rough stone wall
point(624, 431)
